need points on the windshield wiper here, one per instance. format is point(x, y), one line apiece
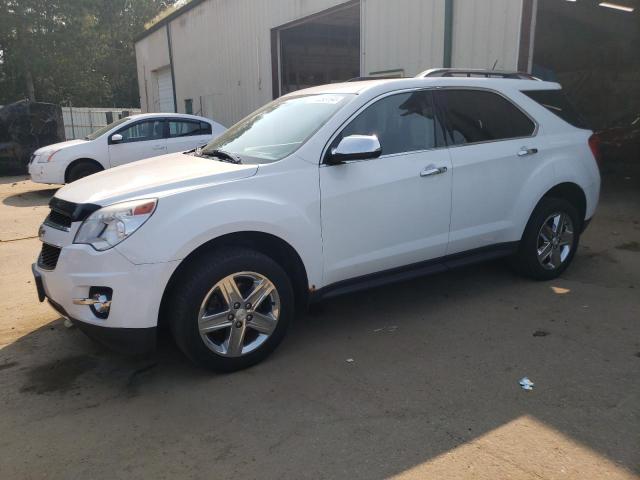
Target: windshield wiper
point(221, 155)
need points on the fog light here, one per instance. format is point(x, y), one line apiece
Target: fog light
point(99, 301)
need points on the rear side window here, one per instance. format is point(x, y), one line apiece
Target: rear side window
point(557, 103)
point(479, 116)
point(184, 128)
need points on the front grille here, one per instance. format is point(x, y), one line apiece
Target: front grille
point(58, 220)
point(48, 258)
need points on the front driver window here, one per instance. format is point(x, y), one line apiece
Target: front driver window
point(403, 122)
point(142, 131)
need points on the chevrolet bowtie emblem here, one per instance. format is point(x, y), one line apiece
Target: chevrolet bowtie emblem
point(41, 231)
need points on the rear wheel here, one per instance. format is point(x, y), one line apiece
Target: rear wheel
point(82, 169)
point(550, 240)
point(231, 309)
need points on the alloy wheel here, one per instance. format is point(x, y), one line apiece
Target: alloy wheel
point(239, 314)
point(555, 240)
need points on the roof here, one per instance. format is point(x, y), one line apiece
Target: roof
point(359, 87)
point(142, 116)
point(172, 16)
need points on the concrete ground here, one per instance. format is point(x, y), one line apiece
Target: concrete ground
point(431, 391)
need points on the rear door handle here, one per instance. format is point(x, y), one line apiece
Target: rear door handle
point(524, 151)
point(431, 170)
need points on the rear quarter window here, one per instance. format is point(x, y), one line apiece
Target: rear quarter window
point(557, 103)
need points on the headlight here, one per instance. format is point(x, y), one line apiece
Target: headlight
point(107, 227)
point(46, 156)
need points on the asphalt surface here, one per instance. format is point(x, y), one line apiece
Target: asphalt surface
point(415, 380)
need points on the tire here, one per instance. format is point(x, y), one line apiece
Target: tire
point(198, 292)
point(540, 259)
point(81, 170)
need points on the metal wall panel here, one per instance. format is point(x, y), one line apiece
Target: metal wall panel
point(222, 53)
point(485, 33)
point(222, 48)
point(152, 55)
point(402, 35)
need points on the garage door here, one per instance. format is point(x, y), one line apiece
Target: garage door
point(165, 90)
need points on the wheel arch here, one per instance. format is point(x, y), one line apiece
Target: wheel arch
point(571, 192)
point(78, 161)
point(268, 244)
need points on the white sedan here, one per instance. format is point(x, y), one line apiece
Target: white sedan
point(124, 141)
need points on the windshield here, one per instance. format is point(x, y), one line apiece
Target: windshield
point(279, 128)
point(102, 130)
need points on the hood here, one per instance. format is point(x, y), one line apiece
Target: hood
point(59, 146)
point(152, 177)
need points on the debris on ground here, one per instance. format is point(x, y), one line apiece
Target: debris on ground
point(350, 360)
point(541, 333)
point(526, 384)
point(560, 290)
point(392, 328)
point(68, 323)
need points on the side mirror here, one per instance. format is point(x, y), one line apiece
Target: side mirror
point(116, 138)
point(355, 147)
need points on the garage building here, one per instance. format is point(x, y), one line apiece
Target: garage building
point(224, 58)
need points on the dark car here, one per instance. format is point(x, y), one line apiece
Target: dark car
point(24, 127)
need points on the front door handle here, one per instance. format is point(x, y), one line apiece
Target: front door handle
point(524, 151)
point(431, 170)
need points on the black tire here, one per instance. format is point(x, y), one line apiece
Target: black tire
point(526, 259)
point(82, 169)
point(192, 287)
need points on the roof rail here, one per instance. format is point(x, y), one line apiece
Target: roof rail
point(471, 72)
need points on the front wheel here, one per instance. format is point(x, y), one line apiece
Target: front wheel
point(82, 169)
point(231, 308)
point(550, 240)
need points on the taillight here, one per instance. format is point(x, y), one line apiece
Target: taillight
point(594, 145)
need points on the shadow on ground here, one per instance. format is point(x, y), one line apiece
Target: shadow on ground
point(35, 198)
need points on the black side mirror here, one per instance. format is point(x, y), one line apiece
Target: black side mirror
point(354, 147)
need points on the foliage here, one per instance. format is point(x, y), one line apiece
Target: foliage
point(78, 52)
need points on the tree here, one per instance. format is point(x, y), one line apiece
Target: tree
point(78, 52)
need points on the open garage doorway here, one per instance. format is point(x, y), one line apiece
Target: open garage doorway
point(323, 48)
point(591, 48)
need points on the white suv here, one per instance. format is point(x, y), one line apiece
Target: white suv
point(321, 192)
point(124, 141)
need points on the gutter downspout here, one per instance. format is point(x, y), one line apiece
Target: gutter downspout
point(173, 74)
point(448, 33)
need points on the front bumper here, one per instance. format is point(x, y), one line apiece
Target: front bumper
point(49, 172)
point(137, 294)
point(125, 340)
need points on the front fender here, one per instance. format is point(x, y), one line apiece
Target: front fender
point(287, 209)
